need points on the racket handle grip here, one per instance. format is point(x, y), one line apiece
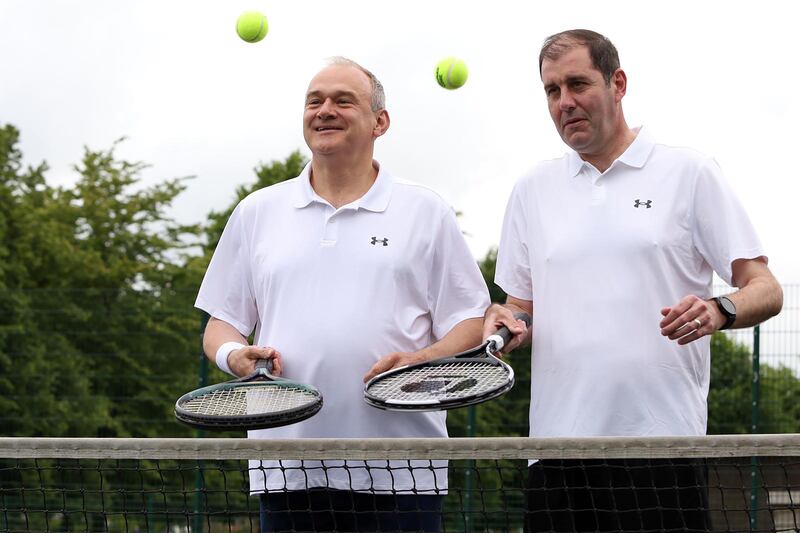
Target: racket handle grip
point(501, 337)
point(525, 317)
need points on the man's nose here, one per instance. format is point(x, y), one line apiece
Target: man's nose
point(566, 102)
point(326, 110)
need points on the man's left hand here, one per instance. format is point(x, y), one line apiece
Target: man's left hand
point(691, 319)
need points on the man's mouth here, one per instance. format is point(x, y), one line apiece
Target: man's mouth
point(573, 121)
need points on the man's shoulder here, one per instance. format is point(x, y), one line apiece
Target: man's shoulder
point(546, 169)
point(680, 153)
point(417, 192)
point(554, 164)
point(278, 192)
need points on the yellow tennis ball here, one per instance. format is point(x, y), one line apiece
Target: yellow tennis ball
point(451, 73)
point(252, 26)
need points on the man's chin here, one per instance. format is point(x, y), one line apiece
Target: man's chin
point(576, 141)
point(323, 148)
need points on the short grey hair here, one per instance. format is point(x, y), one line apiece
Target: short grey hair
point(378, 100)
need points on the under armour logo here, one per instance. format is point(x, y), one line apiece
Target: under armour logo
point(647, 203)
point(384, 241)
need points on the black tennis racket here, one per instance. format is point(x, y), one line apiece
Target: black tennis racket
point(257, 401)
point(463, 379)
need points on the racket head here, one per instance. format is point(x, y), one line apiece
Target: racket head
point(467, 378)
point(440, 384)
point(246, 405)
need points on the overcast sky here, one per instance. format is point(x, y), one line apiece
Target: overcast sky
point(193, 99)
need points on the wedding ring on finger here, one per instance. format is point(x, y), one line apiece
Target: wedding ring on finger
point(697, 323)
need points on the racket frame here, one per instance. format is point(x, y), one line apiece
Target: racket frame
point(261, 377)
point(483, 354)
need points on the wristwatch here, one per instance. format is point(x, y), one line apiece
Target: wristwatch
point(728, 309)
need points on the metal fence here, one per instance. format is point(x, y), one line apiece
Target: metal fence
point(122, 340)
point(775, 349)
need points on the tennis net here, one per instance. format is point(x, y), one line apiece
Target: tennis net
point(751, 482)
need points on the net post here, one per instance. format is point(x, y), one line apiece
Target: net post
point(754, 427)
point(468, 474)
point(202, 378)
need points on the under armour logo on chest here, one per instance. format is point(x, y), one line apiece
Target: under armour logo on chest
point(647, 203)
point(375, 241)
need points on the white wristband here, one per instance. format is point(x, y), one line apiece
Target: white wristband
point(223, 353)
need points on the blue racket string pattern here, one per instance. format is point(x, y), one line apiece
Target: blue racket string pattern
point(467, 378)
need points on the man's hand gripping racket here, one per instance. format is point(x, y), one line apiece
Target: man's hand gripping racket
point(470, 377)
point(257, 401)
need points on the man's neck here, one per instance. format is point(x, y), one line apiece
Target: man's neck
point(621, 142)
point(341, 181)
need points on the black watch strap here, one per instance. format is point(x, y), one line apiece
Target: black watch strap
point(728, 309)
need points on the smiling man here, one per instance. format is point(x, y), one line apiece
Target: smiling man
point(614, 246)
point(341, 272)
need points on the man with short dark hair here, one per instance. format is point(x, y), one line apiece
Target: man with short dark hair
point(611, 249)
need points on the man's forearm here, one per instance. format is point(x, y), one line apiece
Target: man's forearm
point(464, 335)
point(217, 333)
point(759, 300)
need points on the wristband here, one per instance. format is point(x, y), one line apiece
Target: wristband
point(223, 353)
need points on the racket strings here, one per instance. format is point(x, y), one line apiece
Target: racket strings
point(443, 382)
point(250, 400)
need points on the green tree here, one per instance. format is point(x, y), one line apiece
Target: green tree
point(33, 358)
point(90, 280)
point(730, 394)
point(136, 253)
point(98, 335)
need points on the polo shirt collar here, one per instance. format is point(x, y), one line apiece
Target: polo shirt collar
point(637, 153)
point(376, 199)
point(634, 156)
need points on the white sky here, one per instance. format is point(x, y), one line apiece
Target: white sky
point(193, 99)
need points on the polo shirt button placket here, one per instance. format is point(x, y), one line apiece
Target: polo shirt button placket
point(331, 230)
point(598, 191)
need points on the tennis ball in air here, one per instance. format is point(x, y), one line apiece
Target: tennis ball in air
point(451, 73)
point(252, 26)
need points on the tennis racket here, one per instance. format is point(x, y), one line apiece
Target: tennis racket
point(257, 401)
point(467, 378)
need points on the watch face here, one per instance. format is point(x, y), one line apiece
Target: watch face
point(727, 306)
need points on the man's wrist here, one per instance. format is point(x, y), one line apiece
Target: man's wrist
point(727, 309)
point(222, 356)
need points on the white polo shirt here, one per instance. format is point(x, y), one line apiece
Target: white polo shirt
point(600, 255)
point(334, 290)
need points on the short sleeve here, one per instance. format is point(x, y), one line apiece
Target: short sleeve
point(513, 271)
point(722, 231)
point(227, 292)
point(457, 290)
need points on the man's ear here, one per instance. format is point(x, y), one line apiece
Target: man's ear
point(619, 80)
point(381, 123)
